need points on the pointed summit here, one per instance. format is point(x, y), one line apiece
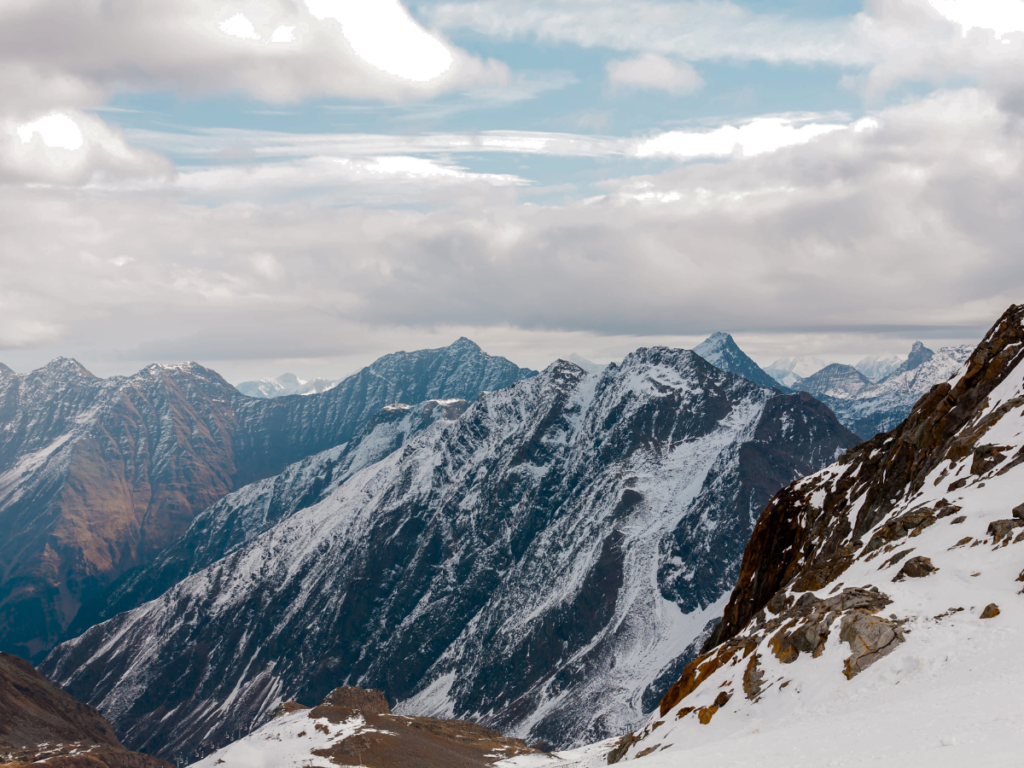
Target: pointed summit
point(721, 351)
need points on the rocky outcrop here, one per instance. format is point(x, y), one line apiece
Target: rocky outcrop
point(97, 476)
point(352, 726)
point(42, 725)
point(500, 563)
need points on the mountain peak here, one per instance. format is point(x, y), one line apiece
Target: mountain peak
point(65, 365)
point(463, 343)
point(919, 354)
point(721, 350)
point(5, 370)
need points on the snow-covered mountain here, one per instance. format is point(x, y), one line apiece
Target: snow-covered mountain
point(286, 384)
point(721, 351)
point(790, 370)
point(540, 565)
point(869, 409)
point(879, 367)
point(97, 476)
point(878, 616)
point(835, 381)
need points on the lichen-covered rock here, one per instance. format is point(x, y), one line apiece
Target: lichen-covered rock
point(1001, 530)
point(870, 638)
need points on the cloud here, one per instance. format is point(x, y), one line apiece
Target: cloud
point(649, 70)
point(902, 224)
point(755, 137)
point(73, 148)
point(272, 50)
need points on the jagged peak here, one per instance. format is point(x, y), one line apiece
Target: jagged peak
point(6, 370)
point(465, 343)
point(65, 365)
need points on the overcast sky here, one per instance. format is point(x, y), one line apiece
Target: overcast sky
point(304, 185)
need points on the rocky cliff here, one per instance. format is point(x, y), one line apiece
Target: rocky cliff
point(540, 565)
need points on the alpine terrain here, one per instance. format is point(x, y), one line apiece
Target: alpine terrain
point(98, 476)
point(870, 408)
point(878, 617)
point(284, 385)
point(544, 565)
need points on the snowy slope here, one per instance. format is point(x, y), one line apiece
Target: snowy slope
point(540, 565)
point(878, 367)
point(879, 616)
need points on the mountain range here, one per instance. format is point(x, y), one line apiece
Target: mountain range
point(98, 476)
point(542, 564)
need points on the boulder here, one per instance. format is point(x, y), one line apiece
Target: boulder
point(915, 568)
point(870, 638)
point(990, 612)
point(1018, 511)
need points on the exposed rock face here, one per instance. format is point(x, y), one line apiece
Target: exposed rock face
point(353, 726)
point(42, 725)
point(99, 475)
point(916, 568)
point(870, 638)
point(500, 563)
point(722, 352)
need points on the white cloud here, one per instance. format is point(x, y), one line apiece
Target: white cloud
point(756, 137)
point(649, 70)
point(73, 148)
point(999, 16)
point(274, 50)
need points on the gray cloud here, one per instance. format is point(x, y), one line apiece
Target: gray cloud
point(906, 225)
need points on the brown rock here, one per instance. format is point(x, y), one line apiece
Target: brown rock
point(990, 612)
point(753, 678)
point(915, 568)
point(286, 708)
point(704, 714)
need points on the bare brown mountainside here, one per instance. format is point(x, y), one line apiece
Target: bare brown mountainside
point(42, 725)
point(97, 476)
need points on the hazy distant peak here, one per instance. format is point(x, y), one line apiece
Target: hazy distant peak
point(586, 365)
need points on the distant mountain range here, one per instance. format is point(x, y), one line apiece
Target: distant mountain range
point(284, 385)
point(542, 563)
point(98, 476)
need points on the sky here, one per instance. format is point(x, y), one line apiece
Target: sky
point(304, 185)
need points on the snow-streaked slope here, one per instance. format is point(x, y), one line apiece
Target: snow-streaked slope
point(879, 613)
point(241, 516)
point(539, 565)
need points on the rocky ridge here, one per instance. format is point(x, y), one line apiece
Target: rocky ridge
point(496, 567)
point(932, 514)
point(97, 476)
